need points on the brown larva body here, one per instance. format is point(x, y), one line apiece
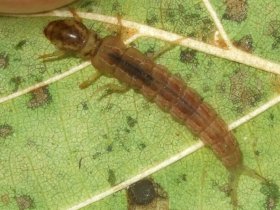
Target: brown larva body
point(112, 58)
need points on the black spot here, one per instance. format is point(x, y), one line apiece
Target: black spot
point(188, 56)
point(85, 105)
point(271, 117)
point(5, 130)
point(131, 122)
point(20, 44)
point(17, 82)
point(80, 163)
point(109, 148)
point(142, 146)
point(126, 130)
point(142, 192)
point(40, 97)
point(24, 202)
point(111, 177)
point(184, 177)
point(271, 191)
point(236, 10)
point(257, 152)
point(4, 60)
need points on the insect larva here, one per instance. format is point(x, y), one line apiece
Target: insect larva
point(112, 58)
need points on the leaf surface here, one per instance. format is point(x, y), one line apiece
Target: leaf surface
point(60, 145)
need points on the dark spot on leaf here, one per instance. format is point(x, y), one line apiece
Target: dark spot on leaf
point(117, 7)
point(236, 10)
point(184, 177)
point(85, 106)
point(271, 191)
point(142, 192)
point(151, 17)
point(20, 44)
point(131, 122)
point(4, 60)
point(257, 152)
point(221, 87)
point(111, 177)
point(80, 163)
point(96, 155)
point(142, 146)
point(108, 107)
point(271, 117)
point(5, 199)
point(206, 88)
point(192, 22)
point(109, 148)
point(188, 56)
point(126, 130)
point(40, 97)
point(274, 31)
point(245, 43)
point(5, 130)
point(24, 202)
point(16, 81)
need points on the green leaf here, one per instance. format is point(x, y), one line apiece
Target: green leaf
point(60, 146)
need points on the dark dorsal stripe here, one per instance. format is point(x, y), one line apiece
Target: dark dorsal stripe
point(132, 69)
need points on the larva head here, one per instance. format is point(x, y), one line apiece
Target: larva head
point(67, 35)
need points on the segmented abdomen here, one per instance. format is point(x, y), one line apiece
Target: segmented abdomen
point(170, 93)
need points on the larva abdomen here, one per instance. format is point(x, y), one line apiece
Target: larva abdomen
point(171, 94)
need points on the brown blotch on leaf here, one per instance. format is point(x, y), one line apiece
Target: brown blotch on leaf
point(40, 97)
point(236, 10)
point(4, 60)
point(274, 31)
point(245, 90)
point(146, 195)
point(5, 130)
point(245, 43)
point(275, 81)
point(5, 199)
point(271, 191)
point(24, 202)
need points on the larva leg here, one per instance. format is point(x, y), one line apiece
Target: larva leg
point(58, 54)
point(112, 88)
point(75, 15)
point(91, 80)
point(166, 48)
